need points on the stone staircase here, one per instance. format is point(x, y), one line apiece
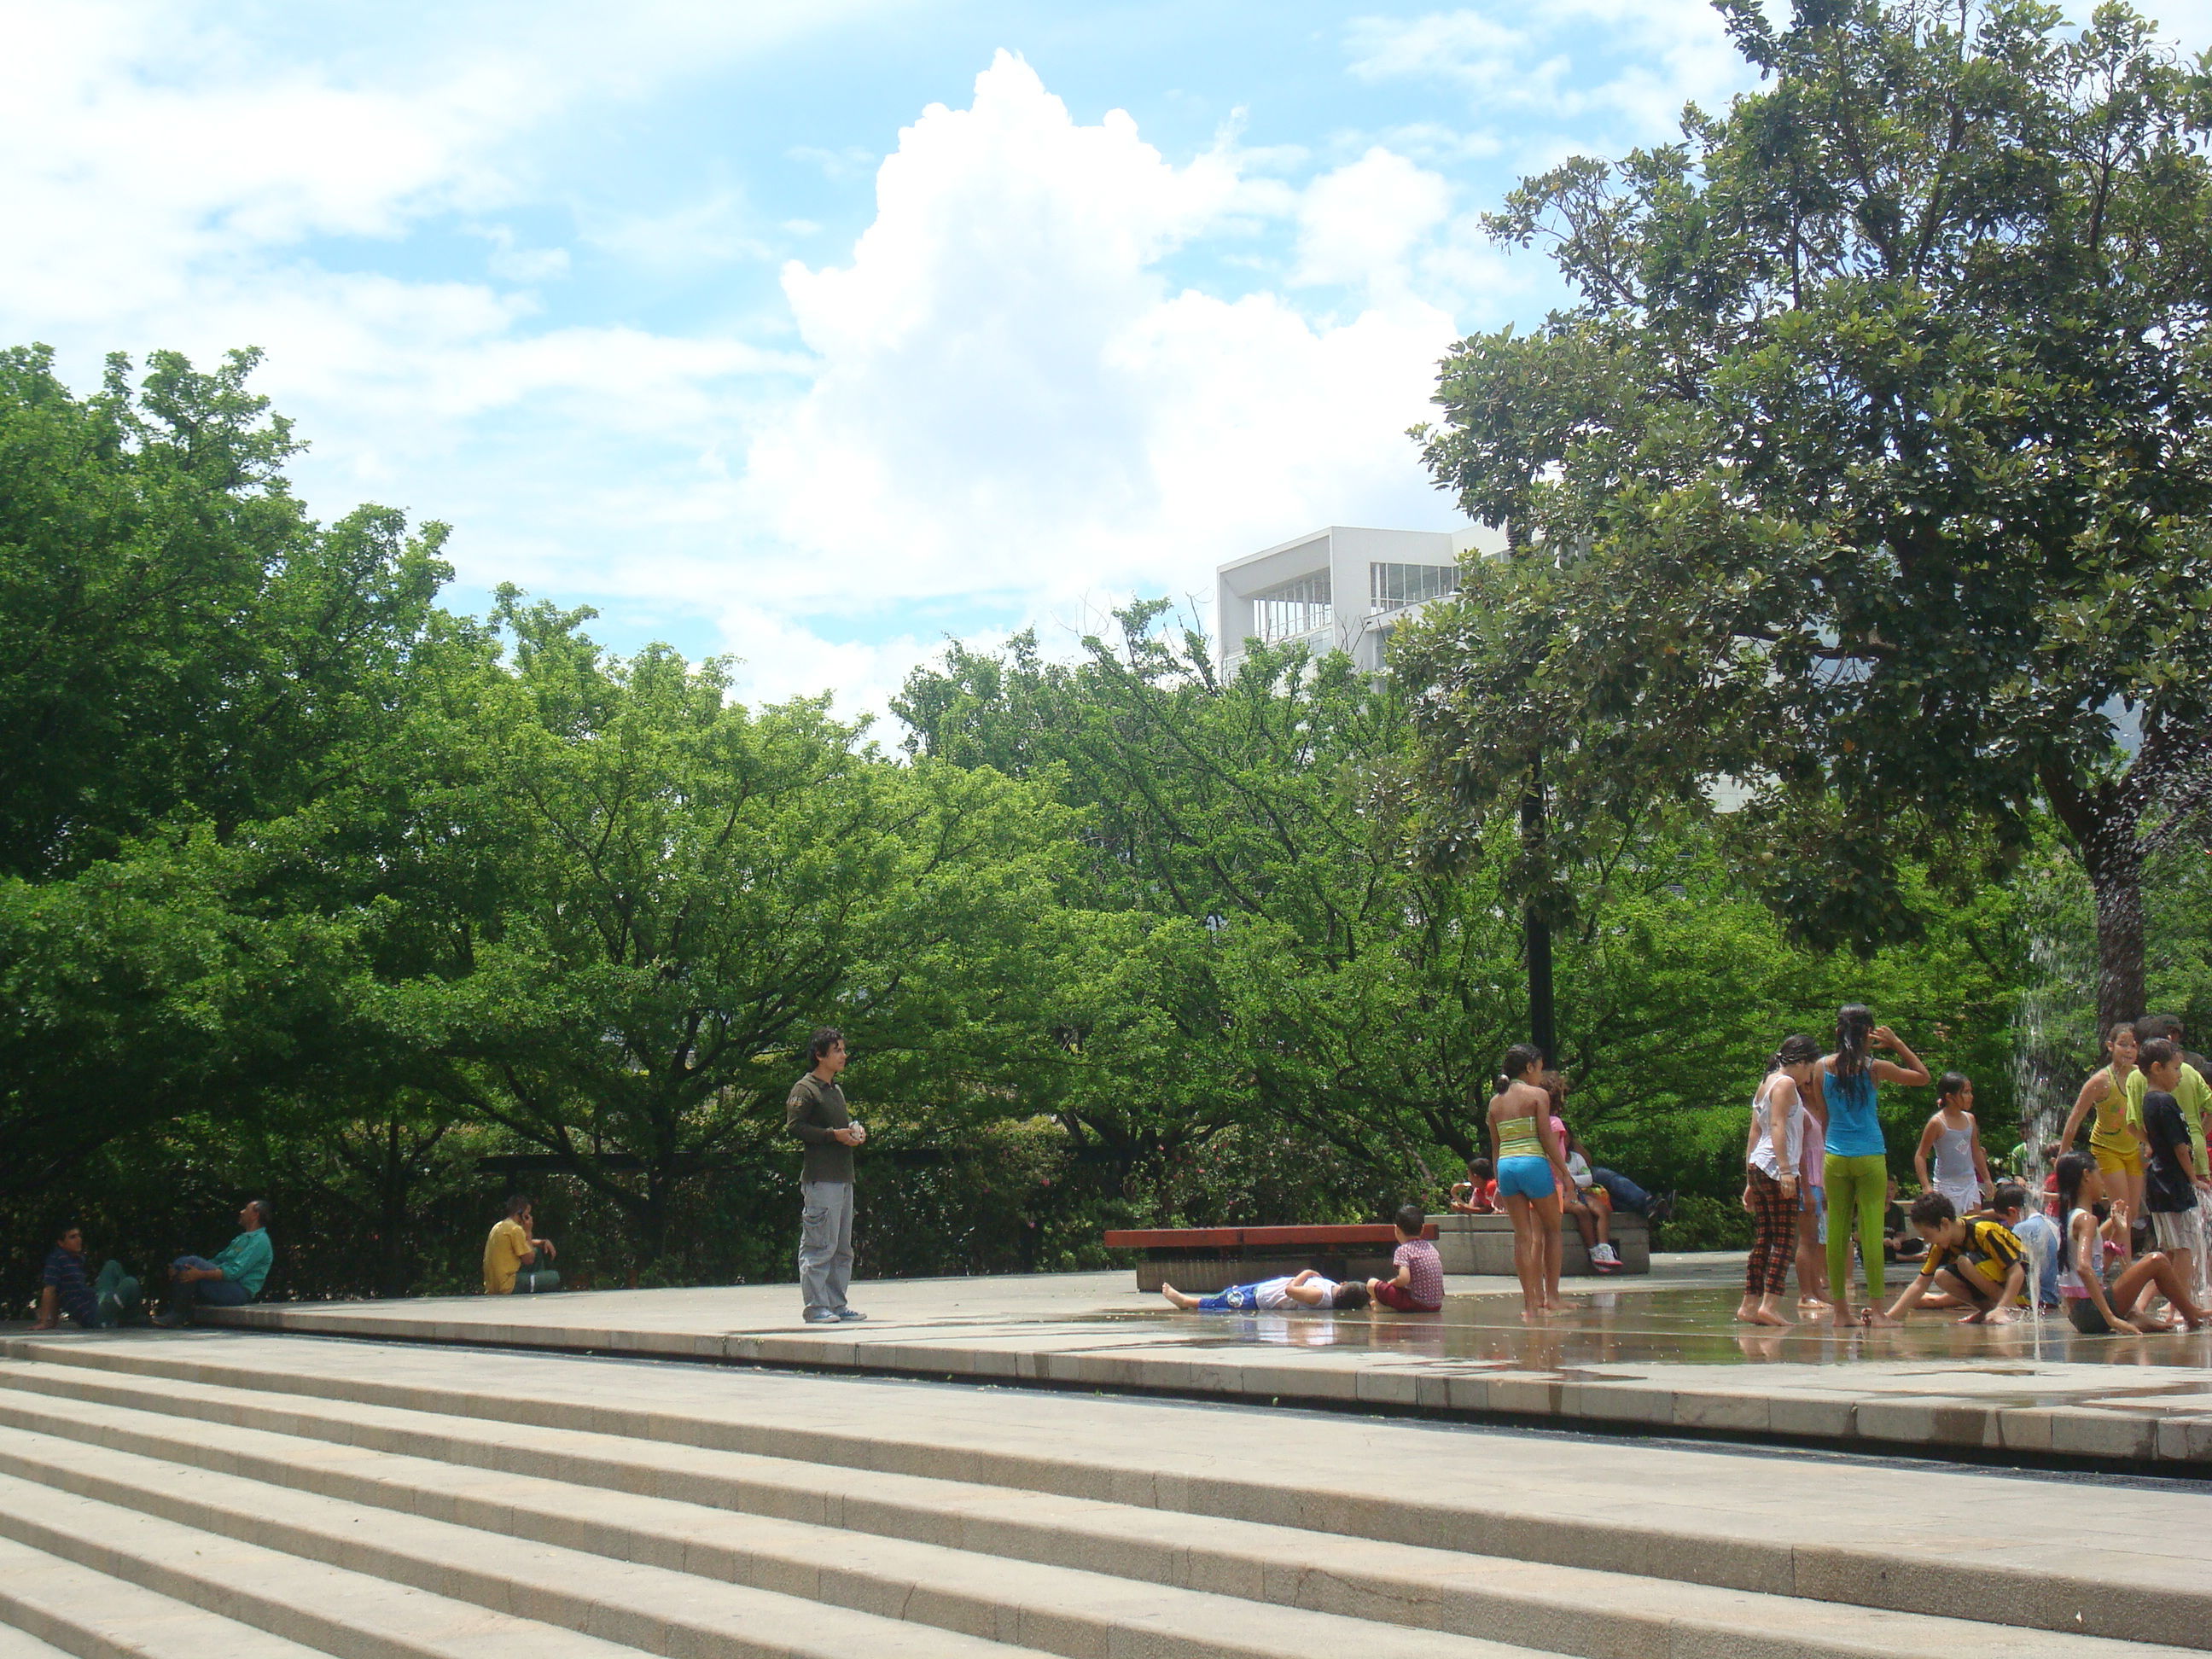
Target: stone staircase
point(216, 1497)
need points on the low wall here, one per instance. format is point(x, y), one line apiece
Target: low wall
point(1484, 1244)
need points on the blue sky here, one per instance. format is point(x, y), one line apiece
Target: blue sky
point(815, 332)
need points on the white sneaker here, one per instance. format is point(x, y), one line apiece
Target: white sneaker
point(1602, 1256)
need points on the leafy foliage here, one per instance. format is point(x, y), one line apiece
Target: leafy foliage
point(1867, 478)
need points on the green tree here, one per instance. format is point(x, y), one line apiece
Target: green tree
point(1867, 478)
point(197, 668)
point(1253, 947)
point(656, 893)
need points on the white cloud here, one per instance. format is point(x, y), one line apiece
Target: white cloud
point(1013, 400)
point(1000, 399)
point(1358, 225)
point(1619, 71)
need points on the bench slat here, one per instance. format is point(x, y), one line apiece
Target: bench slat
point(1230, 1238)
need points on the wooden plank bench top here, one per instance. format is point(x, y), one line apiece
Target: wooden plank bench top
point(1233, 1238)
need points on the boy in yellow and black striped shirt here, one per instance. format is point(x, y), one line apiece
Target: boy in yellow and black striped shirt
point(1978, 1262)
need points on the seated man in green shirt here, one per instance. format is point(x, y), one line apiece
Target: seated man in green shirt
point(232, 1279)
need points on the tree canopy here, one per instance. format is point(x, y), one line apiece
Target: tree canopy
point(1864, 486)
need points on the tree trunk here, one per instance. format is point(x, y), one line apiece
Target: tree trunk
point(2102, 821)
point(1536, 931)
point(1536, 943)
point(2116, 880)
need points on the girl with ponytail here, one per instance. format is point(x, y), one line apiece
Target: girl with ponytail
point(1856, 1167)
point(1531, 1169)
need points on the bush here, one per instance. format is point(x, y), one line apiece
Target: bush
point(1700, 1222)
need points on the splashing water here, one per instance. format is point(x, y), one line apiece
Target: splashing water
point(2054, 1021)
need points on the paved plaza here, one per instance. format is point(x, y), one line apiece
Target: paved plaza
point(219, 1494)
point(1651, 1353)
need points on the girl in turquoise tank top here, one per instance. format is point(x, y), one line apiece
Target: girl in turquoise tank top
point(1857, 1165)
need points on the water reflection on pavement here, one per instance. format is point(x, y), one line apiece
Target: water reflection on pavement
point(1689, 1326)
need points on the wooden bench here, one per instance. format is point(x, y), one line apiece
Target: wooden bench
point(1484, 1244)
point(1202, 1259)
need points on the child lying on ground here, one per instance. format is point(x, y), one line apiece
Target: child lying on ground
point(1303, 1288)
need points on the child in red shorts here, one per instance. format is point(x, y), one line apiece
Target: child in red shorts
point(1419, 1286)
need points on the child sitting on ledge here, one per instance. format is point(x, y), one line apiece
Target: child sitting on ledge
point(1478, 1194)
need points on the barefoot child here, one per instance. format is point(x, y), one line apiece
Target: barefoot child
point(2170, 1170)
point(1977, 1263)
point(1962, 1173)
point(1303, 1288)
point(2115, 1136)
point(1530, 1171)
point(1419, 1286)
point(1773, 1158)
point(1857, 1173)
point(2093, 1306)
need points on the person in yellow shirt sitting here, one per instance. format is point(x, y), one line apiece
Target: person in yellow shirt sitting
point(512, 1256)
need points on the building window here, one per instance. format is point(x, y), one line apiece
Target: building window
point(1395, 587)
point(1294, 607)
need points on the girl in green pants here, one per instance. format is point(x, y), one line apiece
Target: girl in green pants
point(1858, 1167)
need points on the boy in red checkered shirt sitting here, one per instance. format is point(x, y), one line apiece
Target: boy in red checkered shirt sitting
point(1419, 1286)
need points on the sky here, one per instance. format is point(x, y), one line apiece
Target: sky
point(815, 334)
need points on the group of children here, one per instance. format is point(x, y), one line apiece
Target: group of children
point(1815, 1165)
point(2120, 1226)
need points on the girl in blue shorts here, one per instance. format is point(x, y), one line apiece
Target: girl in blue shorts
point(1530, 1173)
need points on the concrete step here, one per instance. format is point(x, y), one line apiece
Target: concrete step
point(668, 1577)
point(1853, 1534)
point(21, 1645)
point(309, 1603)
point(54, 1606)
point(671, 1506)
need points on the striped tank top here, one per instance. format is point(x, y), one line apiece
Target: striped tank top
point(1517, 1138)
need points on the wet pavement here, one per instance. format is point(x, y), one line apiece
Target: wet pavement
point(1659, 1353)
point(1688, 1323)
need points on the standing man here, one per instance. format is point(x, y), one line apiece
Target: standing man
point(815, 1112)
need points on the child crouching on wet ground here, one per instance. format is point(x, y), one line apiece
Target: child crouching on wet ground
point(1303, 1288)
point(2037, 1233)
point(1419, 1286)
point(1975, 1263)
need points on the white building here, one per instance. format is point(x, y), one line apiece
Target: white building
point(1339, 589)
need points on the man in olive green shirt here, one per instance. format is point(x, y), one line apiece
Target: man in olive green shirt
point(2192, 1094)
point(815, 1112)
